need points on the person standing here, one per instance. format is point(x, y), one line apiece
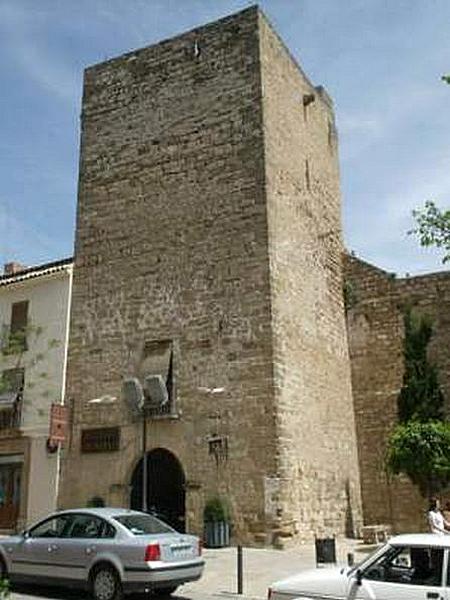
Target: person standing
point(436, 520)
point(446, 512)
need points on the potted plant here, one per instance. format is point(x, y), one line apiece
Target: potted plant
point(5, 591)
point(216, 519)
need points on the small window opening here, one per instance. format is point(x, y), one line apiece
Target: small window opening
point(307, 100)
point(307, 175)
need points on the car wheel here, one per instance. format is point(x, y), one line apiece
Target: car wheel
point(105, 584)
point(166, 591)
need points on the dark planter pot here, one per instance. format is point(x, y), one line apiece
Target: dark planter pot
point(217, 534)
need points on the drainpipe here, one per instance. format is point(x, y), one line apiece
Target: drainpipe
point(63, 382)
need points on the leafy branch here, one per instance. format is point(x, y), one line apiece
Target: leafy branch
point(422, 452)
point(25, 350)
point(433, 227)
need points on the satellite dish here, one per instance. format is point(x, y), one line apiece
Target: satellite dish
point(156, 394)
point(133, 394)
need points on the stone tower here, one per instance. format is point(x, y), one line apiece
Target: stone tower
point(208, 249)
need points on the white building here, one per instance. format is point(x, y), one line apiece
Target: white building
point(34, 327)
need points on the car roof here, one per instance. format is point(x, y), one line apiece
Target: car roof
point(421, 539)
point(102, 512)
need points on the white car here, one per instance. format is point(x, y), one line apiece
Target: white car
point(408, 567)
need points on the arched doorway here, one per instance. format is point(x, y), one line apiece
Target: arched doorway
point(165, 487)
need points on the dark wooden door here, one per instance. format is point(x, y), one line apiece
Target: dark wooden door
point(10, 485)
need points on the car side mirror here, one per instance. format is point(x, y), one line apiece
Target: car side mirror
point(25, 534)
point(358, 577)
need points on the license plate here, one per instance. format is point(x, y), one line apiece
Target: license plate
point(182, 551)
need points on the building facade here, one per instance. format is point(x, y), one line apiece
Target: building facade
point(208, 254)
point(34, 316)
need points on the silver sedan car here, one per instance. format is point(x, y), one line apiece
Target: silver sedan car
point(110, 551)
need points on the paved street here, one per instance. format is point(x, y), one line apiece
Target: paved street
point(261, 567)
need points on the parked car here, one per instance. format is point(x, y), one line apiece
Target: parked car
point(110, 551)
point(408, 567)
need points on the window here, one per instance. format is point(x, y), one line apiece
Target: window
point(408, 565)
point(55, 527)
point(18, 326)
point(143, 524)
point(108, 531)
point(307, 100)
point(89, 527)
point(11, 388)
point(13, 381)
point(106, 439)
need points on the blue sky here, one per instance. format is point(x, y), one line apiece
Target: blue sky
point(381, 60)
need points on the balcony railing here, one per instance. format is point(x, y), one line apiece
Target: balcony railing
point(10, 418)
point(167, 410)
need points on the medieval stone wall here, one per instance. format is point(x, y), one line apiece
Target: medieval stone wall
point(171, 244)
point(317, 454)
point(209, 217)
point(376, 333)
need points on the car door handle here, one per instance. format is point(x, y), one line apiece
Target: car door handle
point(52, 548)
point(432, 595)
point(91, 550)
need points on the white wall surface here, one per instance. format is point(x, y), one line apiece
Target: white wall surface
point(44, 362)
point(48, 298)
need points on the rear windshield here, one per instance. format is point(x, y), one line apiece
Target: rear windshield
point(143, 524)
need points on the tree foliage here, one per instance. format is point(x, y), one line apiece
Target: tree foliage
point(421, 397)
point(422, 452)
point(433, 228)
point(419, 445)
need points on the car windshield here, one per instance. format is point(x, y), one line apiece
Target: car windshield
point(143, 524)
point(365, 561)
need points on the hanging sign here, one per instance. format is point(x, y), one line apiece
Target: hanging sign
point(58, 424)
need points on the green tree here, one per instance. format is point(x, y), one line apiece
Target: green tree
point(422, 452)
point(419, 445)
point(420, 398)
point(433, 227)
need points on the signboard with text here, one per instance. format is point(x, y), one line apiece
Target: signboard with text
point(58, 424)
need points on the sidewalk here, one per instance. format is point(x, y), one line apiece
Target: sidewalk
point(261, 567)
